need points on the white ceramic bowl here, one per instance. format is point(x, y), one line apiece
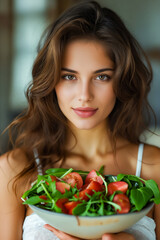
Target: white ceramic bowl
point(90, 227)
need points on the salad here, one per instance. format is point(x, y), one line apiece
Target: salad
point(83, 193)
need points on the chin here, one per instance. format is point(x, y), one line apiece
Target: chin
point(85, 126)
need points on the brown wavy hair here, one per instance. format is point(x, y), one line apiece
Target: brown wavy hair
point(42, 126)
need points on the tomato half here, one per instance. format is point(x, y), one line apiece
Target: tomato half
point(117, 186)
point(96, 186)
point(82, 194)
point(73, 179)
point(123, 201)
point(61, 186)
point(60, 203)
point(70, 206)
point(92, 176)
point(44, 197)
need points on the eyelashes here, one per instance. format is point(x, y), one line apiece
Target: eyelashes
point(101, 77)
point(68, 77)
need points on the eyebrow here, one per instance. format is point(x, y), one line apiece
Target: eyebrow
point(97, 71)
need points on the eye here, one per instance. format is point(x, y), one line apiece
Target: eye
point(68, 77)
point(103, 77)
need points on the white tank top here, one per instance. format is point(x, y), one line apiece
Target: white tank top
point(143, 230)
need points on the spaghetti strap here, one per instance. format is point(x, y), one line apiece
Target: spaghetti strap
point(139, 159)
point(39, 169)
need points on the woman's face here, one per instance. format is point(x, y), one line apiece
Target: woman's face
point(85, 91)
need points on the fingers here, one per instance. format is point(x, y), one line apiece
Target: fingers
point(118, 236)
point(59, 234)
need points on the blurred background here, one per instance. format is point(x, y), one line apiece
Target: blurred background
point(22, 23)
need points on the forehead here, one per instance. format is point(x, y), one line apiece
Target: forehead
point(86, 52)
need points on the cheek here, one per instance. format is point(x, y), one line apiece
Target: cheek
point(108, 96)
point(63, 94)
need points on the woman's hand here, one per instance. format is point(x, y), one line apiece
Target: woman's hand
point(59, 234)
point(106, 236)
point(117, 236)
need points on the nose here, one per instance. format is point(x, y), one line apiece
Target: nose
point(85, 92)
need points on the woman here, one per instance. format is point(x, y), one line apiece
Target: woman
point(87, 107)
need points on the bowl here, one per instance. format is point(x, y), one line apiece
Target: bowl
point(91, 227)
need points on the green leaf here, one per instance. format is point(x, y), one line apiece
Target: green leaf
point(101, 209)
point(132, 180)
point(101, 170)
point(110, 178)
point(39, 189)
point(120, 177)
point(140, 197)
point(151, 184)
point(58, 172)
point(105, 183)
point(69, 171)
point(79, 209)
point(115, 205)
point(33, 200)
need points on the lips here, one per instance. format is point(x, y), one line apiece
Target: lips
point(85, 112)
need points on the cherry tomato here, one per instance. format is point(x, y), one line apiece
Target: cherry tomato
point(61, 186)
point(73, 179)
point(123, 201)
point(82, 194)
point(60, 203)
point(117, 186)
point(70, 206)
point(44, 197)
point(92, 176)
point(96, 186)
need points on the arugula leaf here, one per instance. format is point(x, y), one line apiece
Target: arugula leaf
point(69, 171)
point(58, 172)
point(33, 200)
point(101, 170)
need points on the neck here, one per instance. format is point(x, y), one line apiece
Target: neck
point(90, 143)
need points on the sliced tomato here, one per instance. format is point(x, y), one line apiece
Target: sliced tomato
point(117, 186)
point(44, 197)
point(92, 176)
point(123, 201)
point(96, 186)
point(60, 203)
point(54, 179)
point(61, 186)
point(82, 194)
point(73, 179)
point(70, 206)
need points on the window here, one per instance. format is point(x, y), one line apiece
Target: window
point(30, 18)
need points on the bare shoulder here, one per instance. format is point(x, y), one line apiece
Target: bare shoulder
point(12, 211)
point(12, 163)
point(151, 154)
point(151, 162)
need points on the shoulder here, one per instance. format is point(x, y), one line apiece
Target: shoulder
point(12, 211)
point(12, 163)
point(151, 154)
point(151, 162)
